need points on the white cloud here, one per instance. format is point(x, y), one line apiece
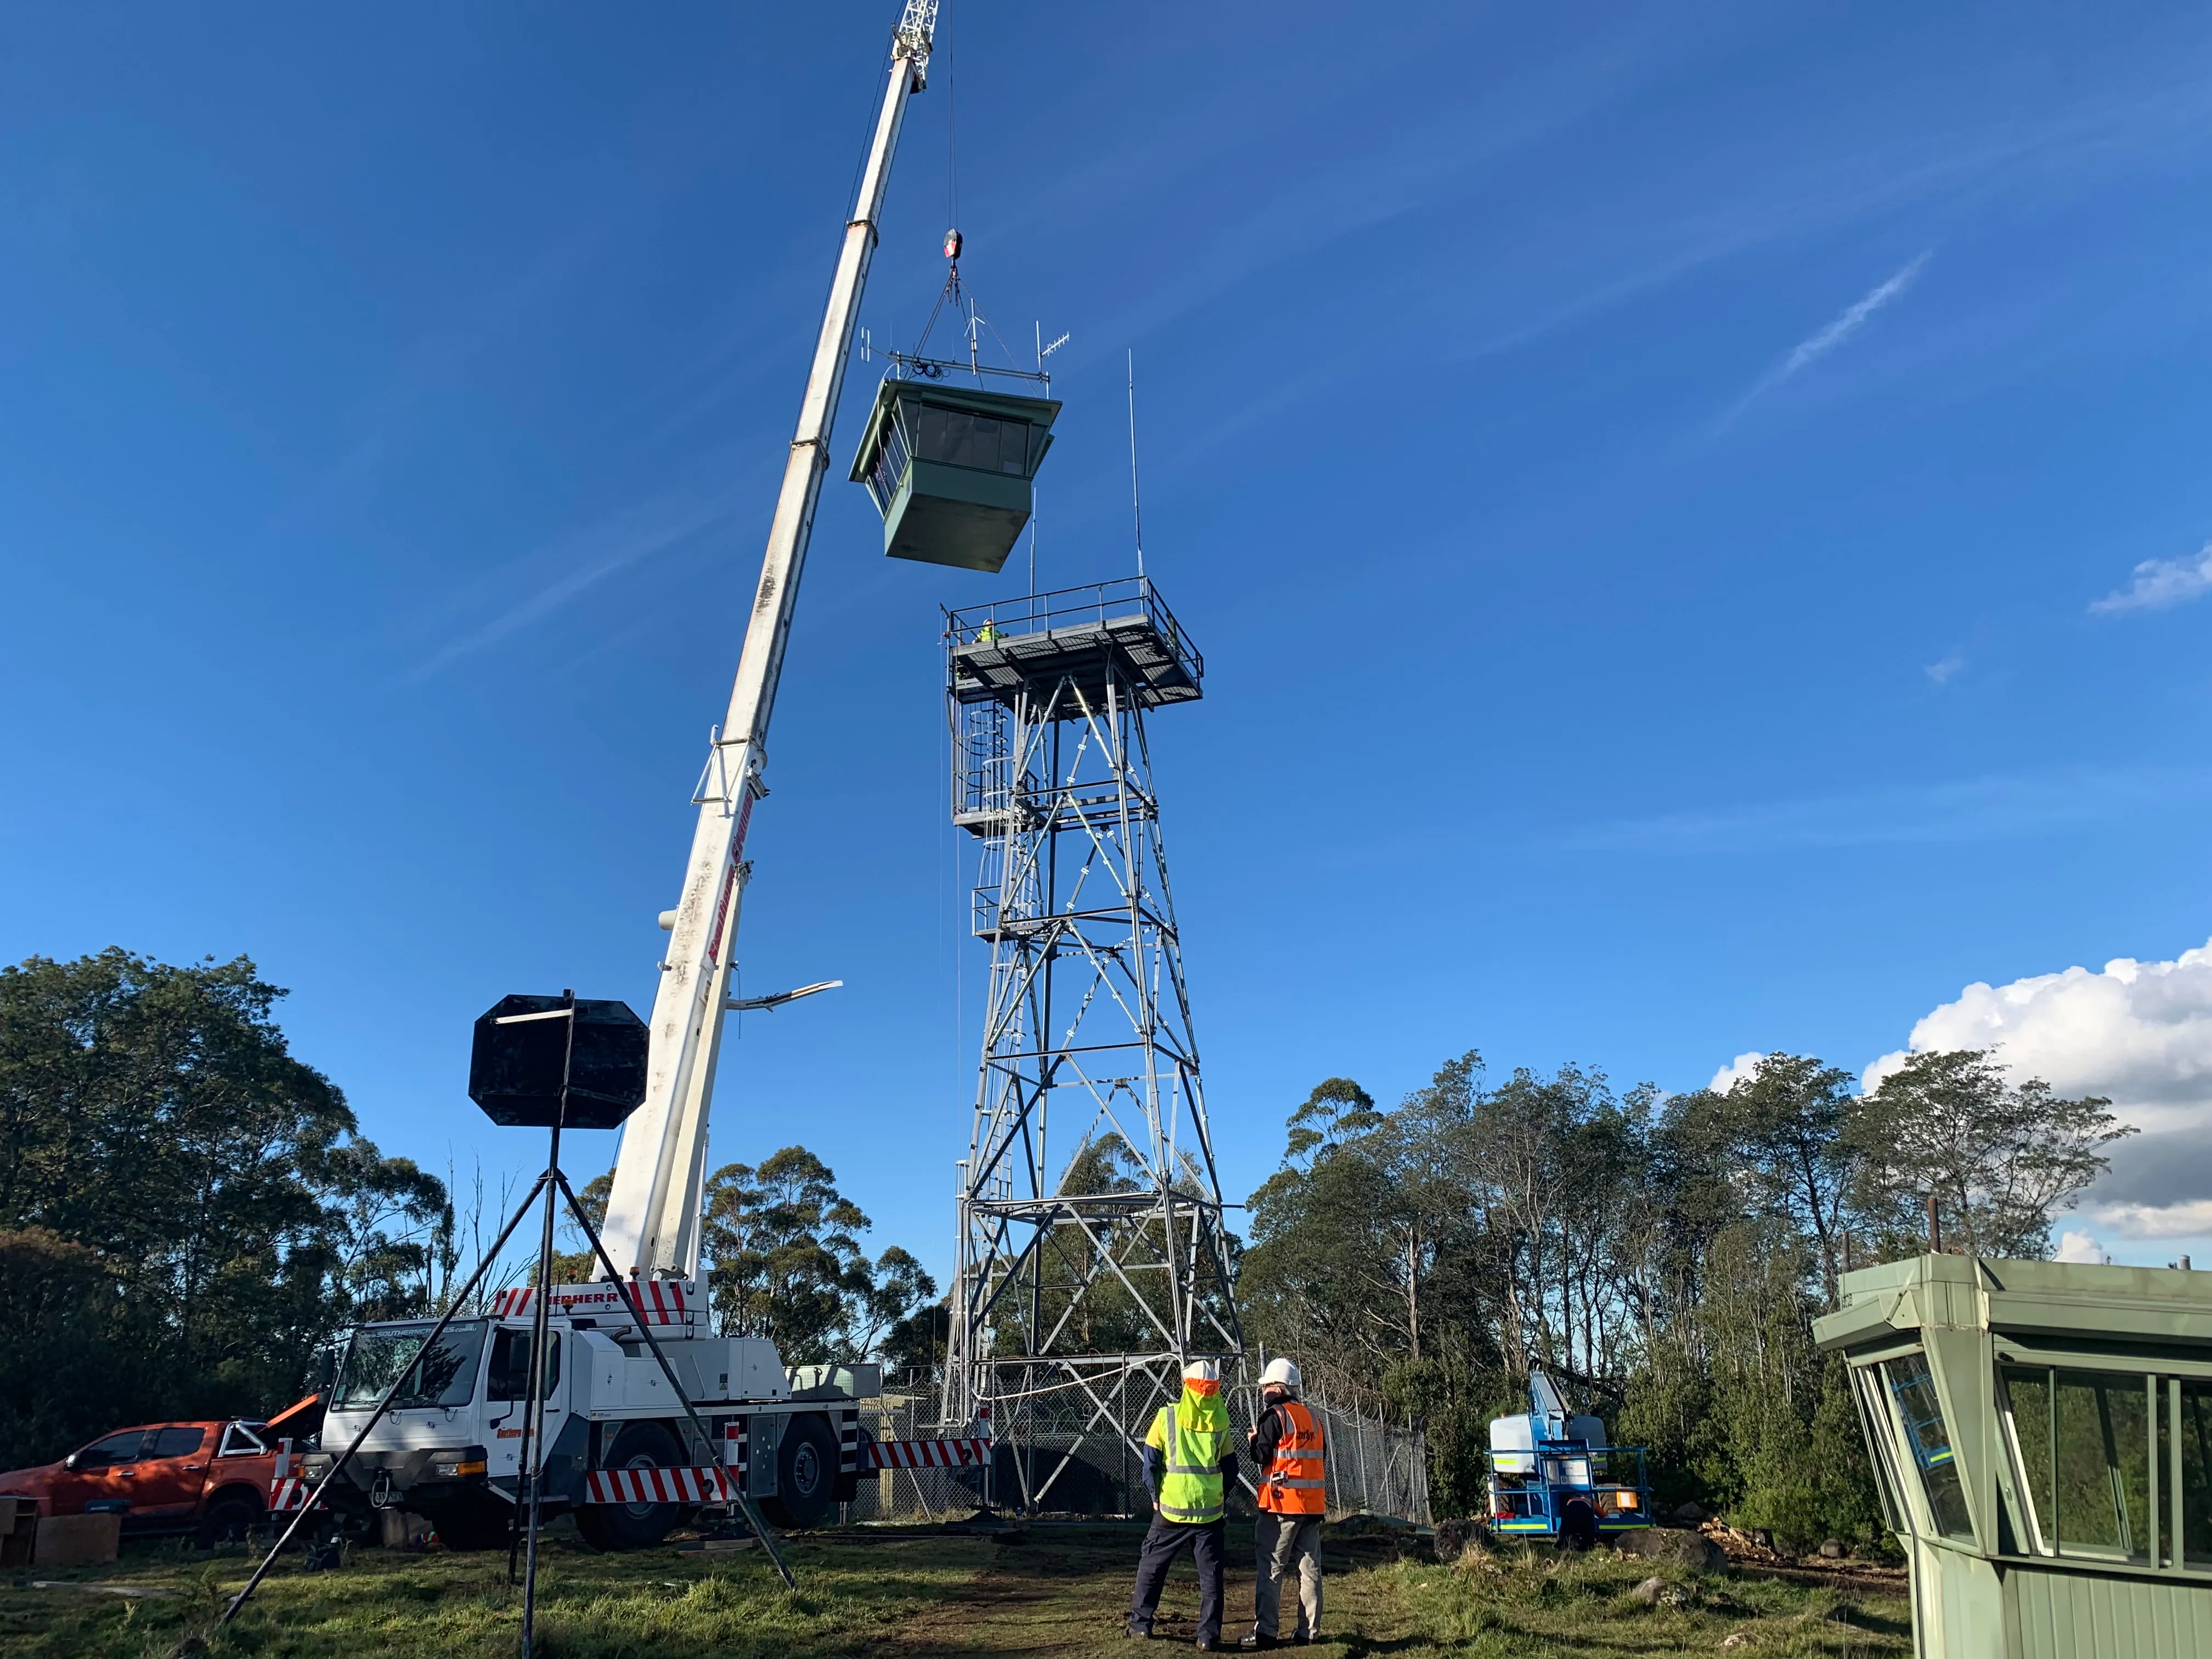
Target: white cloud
point(1850, 322)
point(1741, 1069)
point(2192, 1219)
point(2160, 583)
point(2139, 1033)
point(1810, 349)
point(1944, 672)
point(2079, 1247)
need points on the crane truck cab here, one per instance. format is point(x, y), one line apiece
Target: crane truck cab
point(449, 1449)
point(1552, 1474)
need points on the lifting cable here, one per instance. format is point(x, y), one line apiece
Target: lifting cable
point(964, 299)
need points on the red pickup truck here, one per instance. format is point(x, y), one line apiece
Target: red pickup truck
point(208, 1478)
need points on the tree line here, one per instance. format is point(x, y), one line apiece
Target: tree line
point(1663, 1256)
point(189, 1213)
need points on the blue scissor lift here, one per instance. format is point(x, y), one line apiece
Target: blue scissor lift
point(1552, 1476)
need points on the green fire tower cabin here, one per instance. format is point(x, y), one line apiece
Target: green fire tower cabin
point(2042, 1435)
point(951, 468)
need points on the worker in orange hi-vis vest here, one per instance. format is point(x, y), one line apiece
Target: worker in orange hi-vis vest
point(1288, 1444)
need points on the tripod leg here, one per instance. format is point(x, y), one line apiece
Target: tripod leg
point(533, 1418)
point(385, 1404)
point(645, 1330)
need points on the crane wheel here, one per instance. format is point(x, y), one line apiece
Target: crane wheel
point(634, 1526)
point(805, 1474)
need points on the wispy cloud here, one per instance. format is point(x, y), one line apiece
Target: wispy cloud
point(542, 582)
point(2160, 583)
point(1969, 810)
point(1944, 672)
point(1813, 347)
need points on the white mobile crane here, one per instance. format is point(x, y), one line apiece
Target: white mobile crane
point(616, 1446)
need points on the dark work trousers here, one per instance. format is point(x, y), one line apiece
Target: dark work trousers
point(1163, 1542)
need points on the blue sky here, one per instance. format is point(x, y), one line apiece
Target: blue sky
point(1642, 482)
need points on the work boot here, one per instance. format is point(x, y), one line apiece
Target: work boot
point(1256, 1643)
point(1138, 1633)
point(1205, 1644)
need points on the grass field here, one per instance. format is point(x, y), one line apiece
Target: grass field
point(1054, 1590)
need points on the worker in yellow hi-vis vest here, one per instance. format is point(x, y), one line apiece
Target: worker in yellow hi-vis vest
point(1288, 1444)
point(1189, 1461)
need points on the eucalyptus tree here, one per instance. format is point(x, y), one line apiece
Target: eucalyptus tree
point(2001, 1160)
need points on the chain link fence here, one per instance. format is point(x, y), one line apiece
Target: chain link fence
point(1374, 1468)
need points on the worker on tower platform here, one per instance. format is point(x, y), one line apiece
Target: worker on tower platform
point(1288, 1444)
point(1189, 1461)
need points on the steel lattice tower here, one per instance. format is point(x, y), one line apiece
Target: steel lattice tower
point(1092, 1263)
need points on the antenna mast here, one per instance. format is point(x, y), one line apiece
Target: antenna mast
point(1136, 496)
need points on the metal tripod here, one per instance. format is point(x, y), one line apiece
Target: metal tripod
point(553, 1185)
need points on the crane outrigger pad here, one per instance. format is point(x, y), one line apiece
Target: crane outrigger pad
point(951, 470)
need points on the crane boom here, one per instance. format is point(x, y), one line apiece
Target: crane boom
point(652, 1227)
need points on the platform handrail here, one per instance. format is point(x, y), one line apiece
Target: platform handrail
point(1095, 604)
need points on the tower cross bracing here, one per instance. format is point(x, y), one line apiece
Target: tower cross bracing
point(1092, 1260)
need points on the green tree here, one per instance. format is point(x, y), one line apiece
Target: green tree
point(2000, 1159)
point(70, 1365)
point(916, 1345)
point(787, 1265)
point(388, 1220)
point(1783, 1128)
point(574, 1263)
point(157, 1134)
point(899, 1290)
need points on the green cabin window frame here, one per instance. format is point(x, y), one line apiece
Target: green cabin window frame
point(1916, 1410)
point(1874, 1421)
point(890, 470)
point(912, 426)
point(2112, 1465)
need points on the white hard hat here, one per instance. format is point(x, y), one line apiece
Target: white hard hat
point(1202, 1370)
point(1282, 1371)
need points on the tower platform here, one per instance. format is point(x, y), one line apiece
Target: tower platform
point(1115, 631)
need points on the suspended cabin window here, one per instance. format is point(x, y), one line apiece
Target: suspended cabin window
point(951, 470)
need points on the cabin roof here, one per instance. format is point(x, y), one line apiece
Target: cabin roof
point(2093, 1301)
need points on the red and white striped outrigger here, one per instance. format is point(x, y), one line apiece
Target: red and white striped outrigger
point(691, 1483)
point(973, 1452)
point(701, 1484)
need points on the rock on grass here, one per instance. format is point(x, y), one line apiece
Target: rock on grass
point(1686, 1549)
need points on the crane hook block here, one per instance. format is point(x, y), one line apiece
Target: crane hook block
point(952, 469)
point(952, 244)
